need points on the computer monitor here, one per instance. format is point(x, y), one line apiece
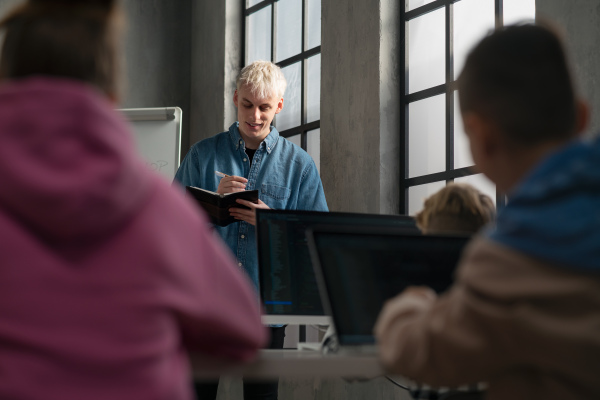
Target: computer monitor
point(288, 287)
point(359, 269)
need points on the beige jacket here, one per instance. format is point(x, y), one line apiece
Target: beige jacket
point(531, 330)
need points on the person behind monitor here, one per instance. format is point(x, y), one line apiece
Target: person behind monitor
point(456, 208)
point(254, 156)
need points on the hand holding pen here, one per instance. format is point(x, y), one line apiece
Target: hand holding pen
point(231, 183)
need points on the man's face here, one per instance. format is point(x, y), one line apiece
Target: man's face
point(255, 115)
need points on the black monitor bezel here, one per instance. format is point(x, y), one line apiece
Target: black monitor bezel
point(322, 282)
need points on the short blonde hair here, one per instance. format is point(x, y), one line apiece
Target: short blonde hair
point(458, 207)
point(264, 79)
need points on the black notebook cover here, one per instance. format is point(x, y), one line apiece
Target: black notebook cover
point(217, 205)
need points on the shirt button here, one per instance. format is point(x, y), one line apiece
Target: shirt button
point(240, 264)
point(245, 159)
point(243, 236)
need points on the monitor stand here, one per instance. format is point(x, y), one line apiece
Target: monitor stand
point(322, 346)
point(305, 320)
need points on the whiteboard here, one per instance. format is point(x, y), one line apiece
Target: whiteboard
point(158, 137)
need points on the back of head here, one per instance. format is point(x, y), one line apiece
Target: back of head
point(457, 208)
point(519, 79)
point(71, 39)
point(263, 78)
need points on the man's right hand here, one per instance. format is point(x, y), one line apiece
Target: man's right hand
point(231, 184)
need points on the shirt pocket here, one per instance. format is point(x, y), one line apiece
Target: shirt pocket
point(275, 196)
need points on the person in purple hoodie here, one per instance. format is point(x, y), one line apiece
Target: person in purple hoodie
point(108, 276)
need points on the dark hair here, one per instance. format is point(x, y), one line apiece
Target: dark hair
point(519, 78)
point(64, 38)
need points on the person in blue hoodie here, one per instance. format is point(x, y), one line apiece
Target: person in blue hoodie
point(524, 312)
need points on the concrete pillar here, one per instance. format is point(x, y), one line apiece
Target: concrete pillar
point(580, 22)
point(216, 59)
point(360, 105)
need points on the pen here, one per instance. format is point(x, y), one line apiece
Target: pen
point(222, 175)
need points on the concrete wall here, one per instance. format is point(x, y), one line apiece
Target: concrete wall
point(580, 21)
point(360, 105)
point(158, 57)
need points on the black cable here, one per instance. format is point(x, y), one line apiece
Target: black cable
point(396, 383)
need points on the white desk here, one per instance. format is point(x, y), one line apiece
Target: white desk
point(290, 363)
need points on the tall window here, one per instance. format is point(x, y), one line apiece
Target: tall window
point(438, 37)
point(288, 33)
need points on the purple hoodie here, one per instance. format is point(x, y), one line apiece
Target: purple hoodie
point(107, 274)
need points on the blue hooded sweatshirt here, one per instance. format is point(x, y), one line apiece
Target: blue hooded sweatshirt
point(554, 213)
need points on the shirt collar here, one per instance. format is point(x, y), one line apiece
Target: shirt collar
point(269, 142)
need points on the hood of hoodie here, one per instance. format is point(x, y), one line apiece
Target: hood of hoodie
point(554, 213)
point(69, 171)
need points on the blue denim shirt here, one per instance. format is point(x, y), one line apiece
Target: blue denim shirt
point(284, 174)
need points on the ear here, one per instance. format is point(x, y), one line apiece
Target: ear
point(235, 98)
point(582, 117)
point(484, 141)
point(279, 106)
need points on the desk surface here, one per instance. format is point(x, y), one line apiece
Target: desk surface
point(297, 363)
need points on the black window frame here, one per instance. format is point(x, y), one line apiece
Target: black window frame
point(305, 127)
point(448, 88)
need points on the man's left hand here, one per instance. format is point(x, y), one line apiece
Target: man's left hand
point(248, 215)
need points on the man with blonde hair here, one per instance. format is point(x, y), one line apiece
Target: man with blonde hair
point(253, 155)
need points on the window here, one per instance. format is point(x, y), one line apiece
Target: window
point(288, 33)
point(438, 37)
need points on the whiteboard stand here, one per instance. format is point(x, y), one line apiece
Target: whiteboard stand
point(158, 137)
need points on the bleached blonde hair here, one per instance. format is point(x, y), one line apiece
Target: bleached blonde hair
point(263, 78)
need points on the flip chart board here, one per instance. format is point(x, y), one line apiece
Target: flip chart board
point(158, 137)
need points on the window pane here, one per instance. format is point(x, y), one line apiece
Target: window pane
point(289, 117)
point(482, 184)
point(518, 10)
point(427, 136)
point(418, 194)
point(412, 4)
point(289, 29)
point(259, 35)
point(313, 90)
point(313, 146)
point(426, 51)
point(314, 24)
point(295, 139)
point(462, 152)
point(250, 3)
point(473, 19)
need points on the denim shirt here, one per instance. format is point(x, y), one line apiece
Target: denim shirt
point(284, 174)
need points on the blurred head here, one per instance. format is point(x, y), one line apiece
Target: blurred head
point(259, 96)
point(517, 96)
point(70, 39)
point(457, 208)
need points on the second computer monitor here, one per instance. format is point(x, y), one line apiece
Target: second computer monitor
point(288, 287)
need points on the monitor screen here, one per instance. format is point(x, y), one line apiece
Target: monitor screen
point(287, 282)
point(358, 271)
